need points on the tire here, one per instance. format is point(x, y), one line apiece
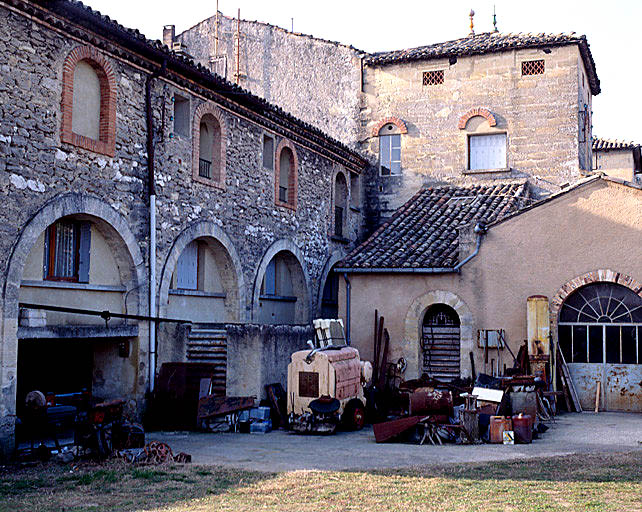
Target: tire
point(354, 415)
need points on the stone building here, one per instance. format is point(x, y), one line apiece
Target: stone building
point(138, 184)
point(617, 158)
point(484, 107)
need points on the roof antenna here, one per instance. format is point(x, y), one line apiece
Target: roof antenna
point(494, 19)
point(472, 25)
point(292, 19)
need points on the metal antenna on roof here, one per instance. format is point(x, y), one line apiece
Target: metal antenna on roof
point(472, 24)
point(292, 20)
point(494, 20)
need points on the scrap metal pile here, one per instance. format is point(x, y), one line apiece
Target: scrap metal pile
point(502, 409)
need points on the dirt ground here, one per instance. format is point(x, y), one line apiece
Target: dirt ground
point(283, 451)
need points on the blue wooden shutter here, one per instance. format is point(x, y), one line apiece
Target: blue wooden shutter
point(83, 251)
point(187, 267)
point(269, 281)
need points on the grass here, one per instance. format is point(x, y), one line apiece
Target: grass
point(572, 483)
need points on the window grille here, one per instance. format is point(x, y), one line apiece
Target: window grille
point(204, 168)
point(533, 67)
point(433, 77)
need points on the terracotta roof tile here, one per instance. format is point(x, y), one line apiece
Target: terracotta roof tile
point(606, 144)
point(423, 232)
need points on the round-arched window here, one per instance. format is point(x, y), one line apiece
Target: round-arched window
point(601, 323)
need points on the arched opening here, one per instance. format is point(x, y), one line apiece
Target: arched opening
point(330, 296)
point(340, 205)
point(286, 169)
point(78, 261)
point(204, 286)
point(440, 342)
point(283, 293)
point(209, 148)
point(600, 335)
point(85, 117)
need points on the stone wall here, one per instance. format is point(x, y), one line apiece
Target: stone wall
point(538, 113)
point(316, 80)
point(43, 178)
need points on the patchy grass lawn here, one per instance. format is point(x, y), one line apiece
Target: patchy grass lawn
point(573, 483)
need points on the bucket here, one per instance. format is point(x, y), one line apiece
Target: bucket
point(498, 424)
point(523, 427)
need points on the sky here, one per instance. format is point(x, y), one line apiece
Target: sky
point(612, 28)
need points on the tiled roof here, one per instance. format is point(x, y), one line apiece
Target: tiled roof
point(422, 234)
point(490, 42)
point(75, 13)
point(606, 144)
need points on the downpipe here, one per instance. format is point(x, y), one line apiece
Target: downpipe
point(151, 188)
point(348, 291)
point(480, 229)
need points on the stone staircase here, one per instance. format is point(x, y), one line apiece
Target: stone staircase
point(207, 343)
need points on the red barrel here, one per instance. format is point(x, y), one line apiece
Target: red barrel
point(499, 424)
point(523, 428)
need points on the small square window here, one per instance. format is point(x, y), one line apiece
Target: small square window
point(433, 77)
point(533, 67)
point(181, 116)
point(268, 152)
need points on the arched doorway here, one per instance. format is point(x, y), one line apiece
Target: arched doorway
point(600, 335)
point(330, 296)
point(283, 292)
point(440, 342)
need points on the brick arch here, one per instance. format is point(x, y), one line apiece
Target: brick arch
point(106, 142)
point(218, 158)
point(399, 123)
point(474, 112)
point(597, 276)
point(294, 175)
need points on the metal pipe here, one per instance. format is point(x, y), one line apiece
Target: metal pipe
point(151, 189)
point(348, 291)
point(106, 315)
point(480, 229)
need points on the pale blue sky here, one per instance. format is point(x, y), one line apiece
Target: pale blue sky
point(612, 28)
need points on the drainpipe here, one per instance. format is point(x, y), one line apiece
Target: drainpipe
point(480, 229)
point(348, 290)
point(151, 190)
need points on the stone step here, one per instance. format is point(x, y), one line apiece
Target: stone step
point(207, 335)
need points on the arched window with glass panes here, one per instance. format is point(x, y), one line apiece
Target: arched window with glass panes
point(601, 323)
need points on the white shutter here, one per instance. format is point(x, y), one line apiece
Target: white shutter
point(187, 267)
point(488, 151)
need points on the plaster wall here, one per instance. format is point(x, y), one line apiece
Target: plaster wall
point(539, 114)
point(616, 163)
point(596, 226)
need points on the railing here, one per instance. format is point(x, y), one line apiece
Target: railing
point(283, 194)
point(204, 168)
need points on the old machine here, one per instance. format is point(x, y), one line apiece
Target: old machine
point(325, 383)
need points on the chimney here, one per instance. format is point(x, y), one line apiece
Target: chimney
point(169, 32)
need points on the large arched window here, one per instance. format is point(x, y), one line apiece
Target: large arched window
point(285, 177)
point(340, 205)
point(89, 101)
point(601, 323)
point(208, 157)
point(283, 291)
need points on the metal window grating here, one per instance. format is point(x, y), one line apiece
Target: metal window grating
point(433, 77)
point(533, 67)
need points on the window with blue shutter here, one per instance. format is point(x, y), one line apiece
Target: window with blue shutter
point(269, 280)
point(187, 268)
point(66, 251)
